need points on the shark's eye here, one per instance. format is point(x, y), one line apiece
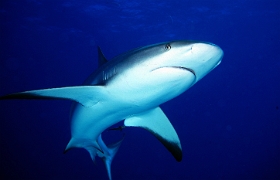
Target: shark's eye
point(167, 47)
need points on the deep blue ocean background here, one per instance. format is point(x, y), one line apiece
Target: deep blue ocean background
point(228, 123)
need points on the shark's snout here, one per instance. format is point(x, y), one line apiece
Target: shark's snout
point(202, 58)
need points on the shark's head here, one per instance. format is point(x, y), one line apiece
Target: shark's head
point(198, 57)
point(162, 71)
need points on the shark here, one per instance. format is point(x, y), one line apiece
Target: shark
point(130, 88)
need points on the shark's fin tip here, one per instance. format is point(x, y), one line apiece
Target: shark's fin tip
point(173, 148)
point(101, 58)
point(156, 122)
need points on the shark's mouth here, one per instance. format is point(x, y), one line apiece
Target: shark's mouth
point(179, 67)
point(184, 68)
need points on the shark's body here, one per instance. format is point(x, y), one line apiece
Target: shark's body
point(131, 87)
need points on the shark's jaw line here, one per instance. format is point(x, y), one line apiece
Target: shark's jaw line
point(131, 87)
point(179, 67)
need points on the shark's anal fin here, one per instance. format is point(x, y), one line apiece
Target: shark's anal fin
point(85, 95)
point(158, 124)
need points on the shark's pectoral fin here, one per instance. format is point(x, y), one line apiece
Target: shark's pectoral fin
point(85, 95)
point(158, 124)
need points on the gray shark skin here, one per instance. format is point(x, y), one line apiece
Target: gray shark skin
point(131, 87)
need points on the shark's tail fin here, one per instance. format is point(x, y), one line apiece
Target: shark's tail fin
point(99, 148)
point(108, 153)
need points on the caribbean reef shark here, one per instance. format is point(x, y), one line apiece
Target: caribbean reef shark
point(131, 87)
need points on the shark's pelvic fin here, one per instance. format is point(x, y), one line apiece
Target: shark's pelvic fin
point(120, 128)
point(108, 153)
point(101, 58)
point(91, 145)
point(158, 124)
point(85, 95)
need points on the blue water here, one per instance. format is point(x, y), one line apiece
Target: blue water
point(228, 123)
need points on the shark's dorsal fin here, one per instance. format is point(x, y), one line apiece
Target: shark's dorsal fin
point(157, 123)
point(101, 58)
point(85, 95)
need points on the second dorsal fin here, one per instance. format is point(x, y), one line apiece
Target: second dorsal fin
point(101, 58)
